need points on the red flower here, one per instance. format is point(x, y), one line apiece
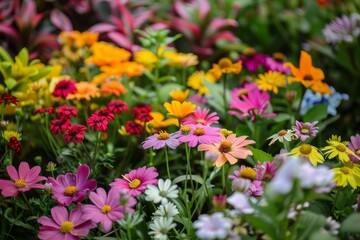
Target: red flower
point(8, 99)
point(59, 125)
point(142, 108)
point(105, 113)
point(14, 144)
point(75, 133)
point(97, 123)
point(45, 110)
point(144, 117)
point(133, 128)
point(64, 87)
point(66, 112)
point(117, 106)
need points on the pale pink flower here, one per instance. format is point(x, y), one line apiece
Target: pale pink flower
point(200, 134)
point(201, 116)
point(354, 145)
point(162, 139)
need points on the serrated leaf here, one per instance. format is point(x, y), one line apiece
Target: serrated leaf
point(260, 155)
point(351, 224)
point(316, 113)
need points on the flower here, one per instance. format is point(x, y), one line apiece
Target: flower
point(105, 114)
point(179, 95)
point(66, 112)
point(84, 91)
point(179, 109)
point(271, 81)
point(97, 123)
point(332, 226)
point(162, 139)
point(112, 88)
point(166, 210)
point(266, 171)
point(276, 63)
point(282, 135)
point(23, 180)
point(64, 87)
point(198, 79)
point(305, 130)
point(14, 144)
point(72, 187)
point(215, 226)
point(200, 134)
point(337, 148)
point(163, 192)
point(75, 133)
point(104, 53)
point(160, 226)
point(8, 99)
point(133, 128)
point(252, 60)
point(241, 203)
point(343, 29)
point(49, 110)
point(309, 152)
point(348, 174)
point(136, 180)
point(106, 208)
point(59, 125)
point(201, 116)
point(158, 122)
point(9, 134)
point(354, 145)
point(62, 226)
point(229, 149)
point(226, 66)
point(117, 106)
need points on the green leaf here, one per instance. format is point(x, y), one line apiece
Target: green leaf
point(4, 56)
point(351, 224)
point(41, 73)
point(195, 178)
point(260, 155)
point(308, 223)
point(281, 117)
point(322, 235)
point(10, 83)
point(23, 56)
point(316, 113)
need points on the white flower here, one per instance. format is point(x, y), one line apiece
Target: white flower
point(213, 226)
point(162, 192)
point(240, 202)
point(160, 227)
point(283, 135)
point(167, 210)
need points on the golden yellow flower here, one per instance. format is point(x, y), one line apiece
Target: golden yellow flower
point(145, 57)
point(179, 95)
point(179, 109)
point(197, 79)
point(78, 39)
point(106, 54)
point(226, 66)
point(122, 131)
point(309, 152)
point(112, 88)
point(9, 134)
point(84, 91)
point(158, 122)
point(349, 174)
point(271, 81)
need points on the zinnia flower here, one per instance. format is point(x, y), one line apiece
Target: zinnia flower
point(161, 139)
point(64, 88)
point(84, 91)
point(117, 106)
point(112, 88)
point(59, 125)
point(23, 180)
point(136, 181)
point(354, 145)
point(179, 95)
point(97, 123)
point(225, 66)
point(308, 152)
point(229, 149)
point(75, 133)
point(179, 109)
point(62, 226)
point(201, 116)
point(133, 128)
point(72, 187)
point(8, 99)
point(252, 60)
point(105, 114)
point(305, 130)
point(66, 112)
point(200, 134)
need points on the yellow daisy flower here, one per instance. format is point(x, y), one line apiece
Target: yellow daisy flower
point(179, 95)
point(349, 174)
point(179, 109)
point(197, 79)
point(337, 148)
point(225, 65)
point(9, 134)
point(309, 152)
point(271, 81)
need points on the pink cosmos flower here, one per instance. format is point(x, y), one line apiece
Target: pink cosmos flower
point(97, 123)
point(64, 227)
point(162, 139)
point(136, 180)
point(106, 208)
point(75, 133)
point(305, 130)
point(229, 149)
point(72, 187)
point(64, 88)
point(117, 106)
point(354, 145)
point(201, 116)
point(23, 181)
point(66, 112)
point(200, 134)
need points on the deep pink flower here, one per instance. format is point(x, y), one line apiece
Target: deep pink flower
point(144, 117)
point(106, 208)
point(97, 123)
point(162, 139)
point(117, 106)
point(75, 133)
point(305, 130)
point(59, 125)
point(266, 171)
point(14, 144)
point(275, 65)
point(66, 112)
point(72, 187)
point(136, 180)
point(23, 181)
point(64, 227)
point(105, 113)
point(354, 145)
point(198, 99)
point(64, 88)
point(142, 108)
point(133, 128)
point(200, 134)
point(201, 116)
point(253, 61)
point(49, 110)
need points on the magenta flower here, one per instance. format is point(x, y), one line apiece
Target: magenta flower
point(305, 130)
point(252, 60)
point(117, 106)
point(64, 88)
point(75, 133)
point(275, 65)
point(201, 116)
point(354, 145)
point(97, 123)
point(72, 187)
point(162, 139)
point(66, 111)
point(64, 227)
point(256, 189)
point(23, 181)
point(136, 180)
point(200, 134)
point(266, 171)
point(106, 208)
point(59, 125)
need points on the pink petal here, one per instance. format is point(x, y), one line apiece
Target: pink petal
point(82, 175)
point(106, 225)
point(59, 214)
point(23, 170)
point(11, 170)
point(50, 234)
point(32, 174)
point(97, 199)
point(48, 222)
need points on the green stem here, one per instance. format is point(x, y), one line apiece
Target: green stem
point(225, 100)
point(188, 169)
point(98, 137)
point(91, 160)
point(3, 111)
point(167, 162)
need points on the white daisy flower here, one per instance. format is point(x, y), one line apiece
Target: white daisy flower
point(160, 227)
point(287, 135)
point(214, 226)
point(167, 210)
point(162, 192)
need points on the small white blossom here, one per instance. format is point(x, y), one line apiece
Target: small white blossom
point(162, 192)
point(167, 210)
point(213, 226)
point(160, 227)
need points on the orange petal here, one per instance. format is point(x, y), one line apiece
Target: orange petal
point(305, 63)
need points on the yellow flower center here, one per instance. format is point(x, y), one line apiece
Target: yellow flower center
point(357, 151)
point(66, 227)
point(199, 132)
point(225, 146)
point(19, 183)
point(135, 183)
point(341, 147)
point(279, 57)
point(225, 63)
point(249, 52)
point(305, 131)
point(185, 129)
point(243, 92)
point(308, 77)
point(225, 132)
point(248, 173)
point(344, 170)
point(70, 191)
point(349, 164)
point(282, 132)
point(106, 209)
point(305, 149)
point(163, 135)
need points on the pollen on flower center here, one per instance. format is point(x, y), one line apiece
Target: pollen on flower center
point(185, 129)
point(357, 151)
point(225, 63)
point(135, 183)
point(19, 183)
point(199, 132)
point(163, 135)
point(305, 149)
point(248, 173)
point(106, 209)
point(345, 170)
point(66, 227)
point(305, 131)
point(308, 77)
point(249, 52)
point(225, 146)
point(341, 147)
point(282, 132)
point(70, 191)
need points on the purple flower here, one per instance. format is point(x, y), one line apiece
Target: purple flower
point(305, 130)
point(252, 60)
point(161, 139)
point(266, 171)
point(343, 29)
point(274, 65)
point(354, 145)
point(72, 187)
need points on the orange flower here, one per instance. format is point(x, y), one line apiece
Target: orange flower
point(178, 109)
point(84, 91)
point(158, 122)
point(105, 54)
point(225, 65)
point(179, 95)
point(112, 87)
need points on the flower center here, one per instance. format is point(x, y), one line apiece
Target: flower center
point(19, 183)
point(249, 52)
point(243, 92)
point(248, 173)
point(199, 132)
point(106, 209)
point(341, 147)
point(225, 63)
point(349, 164)
point(357, 151)
point(66, 227)
point(225, 132)
point(185, 129)
point(344, 170)
point(282, 132)
point(305, 131)
point(70, 191)
point(279, 57)
point(225, 146)
point(135, 183)
point(308, 77)
point(163, 135)
point(305, 149)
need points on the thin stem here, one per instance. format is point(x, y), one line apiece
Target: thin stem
point(224, 99)
point(167, 162)
point(98, 136)
point(187, 151)
point(28, 204)
point(91, 160)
